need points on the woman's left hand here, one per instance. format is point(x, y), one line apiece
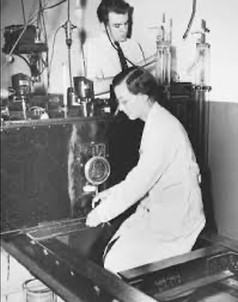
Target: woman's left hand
point(100, 197)
point(93, 218)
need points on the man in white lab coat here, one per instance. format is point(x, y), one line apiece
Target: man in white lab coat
point(164, 183)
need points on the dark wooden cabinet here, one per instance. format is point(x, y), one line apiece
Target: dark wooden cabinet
point(42, 161)
point(42, 167)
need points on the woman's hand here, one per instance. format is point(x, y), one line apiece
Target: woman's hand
point(100, 197)
point(93, 218)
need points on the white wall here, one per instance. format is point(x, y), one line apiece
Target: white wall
point(221, 18)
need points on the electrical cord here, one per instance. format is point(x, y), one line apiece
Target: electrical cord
point(23, 11)
point(114, 46)
point(191, 20)
point(142, 51)
point(54, 5)
point(68, 26)
point(53, 47)
point(143, 66)
point(46, 61)
point(23, 58)
point(129, 61)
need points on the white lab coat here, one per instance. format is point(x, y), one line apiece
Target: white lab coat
point(170, 214)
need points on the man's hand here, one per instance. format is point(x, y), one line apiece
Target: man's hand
point(93, 219)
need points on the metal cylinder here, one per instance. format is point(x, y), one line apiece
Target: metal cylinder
point(83, 88)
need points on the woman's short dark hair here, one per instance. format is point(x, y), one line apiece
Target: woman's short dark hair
point(138, 81)
point(116, 6)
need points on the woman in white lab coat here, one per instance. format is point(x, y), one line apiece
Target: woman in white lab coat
point(164, 183)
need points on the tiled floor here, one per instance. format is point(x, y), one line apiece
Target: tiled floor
point(14, 297)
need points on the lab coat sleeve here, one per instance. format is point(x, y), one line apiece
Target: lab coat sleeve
point(157, 154)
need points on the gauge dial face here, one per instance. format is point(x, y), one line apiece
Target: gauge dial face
point(97, 170)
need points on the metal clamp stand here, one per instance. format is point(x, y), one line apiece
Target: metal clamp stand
point(69, 27)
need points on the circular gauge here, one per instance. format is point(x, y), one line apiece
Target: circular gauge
point(97, 170)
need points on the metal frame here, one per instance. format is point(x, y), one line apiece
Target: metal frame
point(69, 275)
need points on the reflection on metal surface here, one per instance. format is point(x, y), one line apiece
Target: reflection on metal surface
point(56, 229)
point(87, 142)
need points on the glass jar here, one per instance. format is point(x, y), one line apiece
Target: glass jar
point(36, 291)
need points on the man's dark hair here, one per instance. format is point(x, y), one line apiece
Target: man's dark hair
point(115, 6)
point(138, 81)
